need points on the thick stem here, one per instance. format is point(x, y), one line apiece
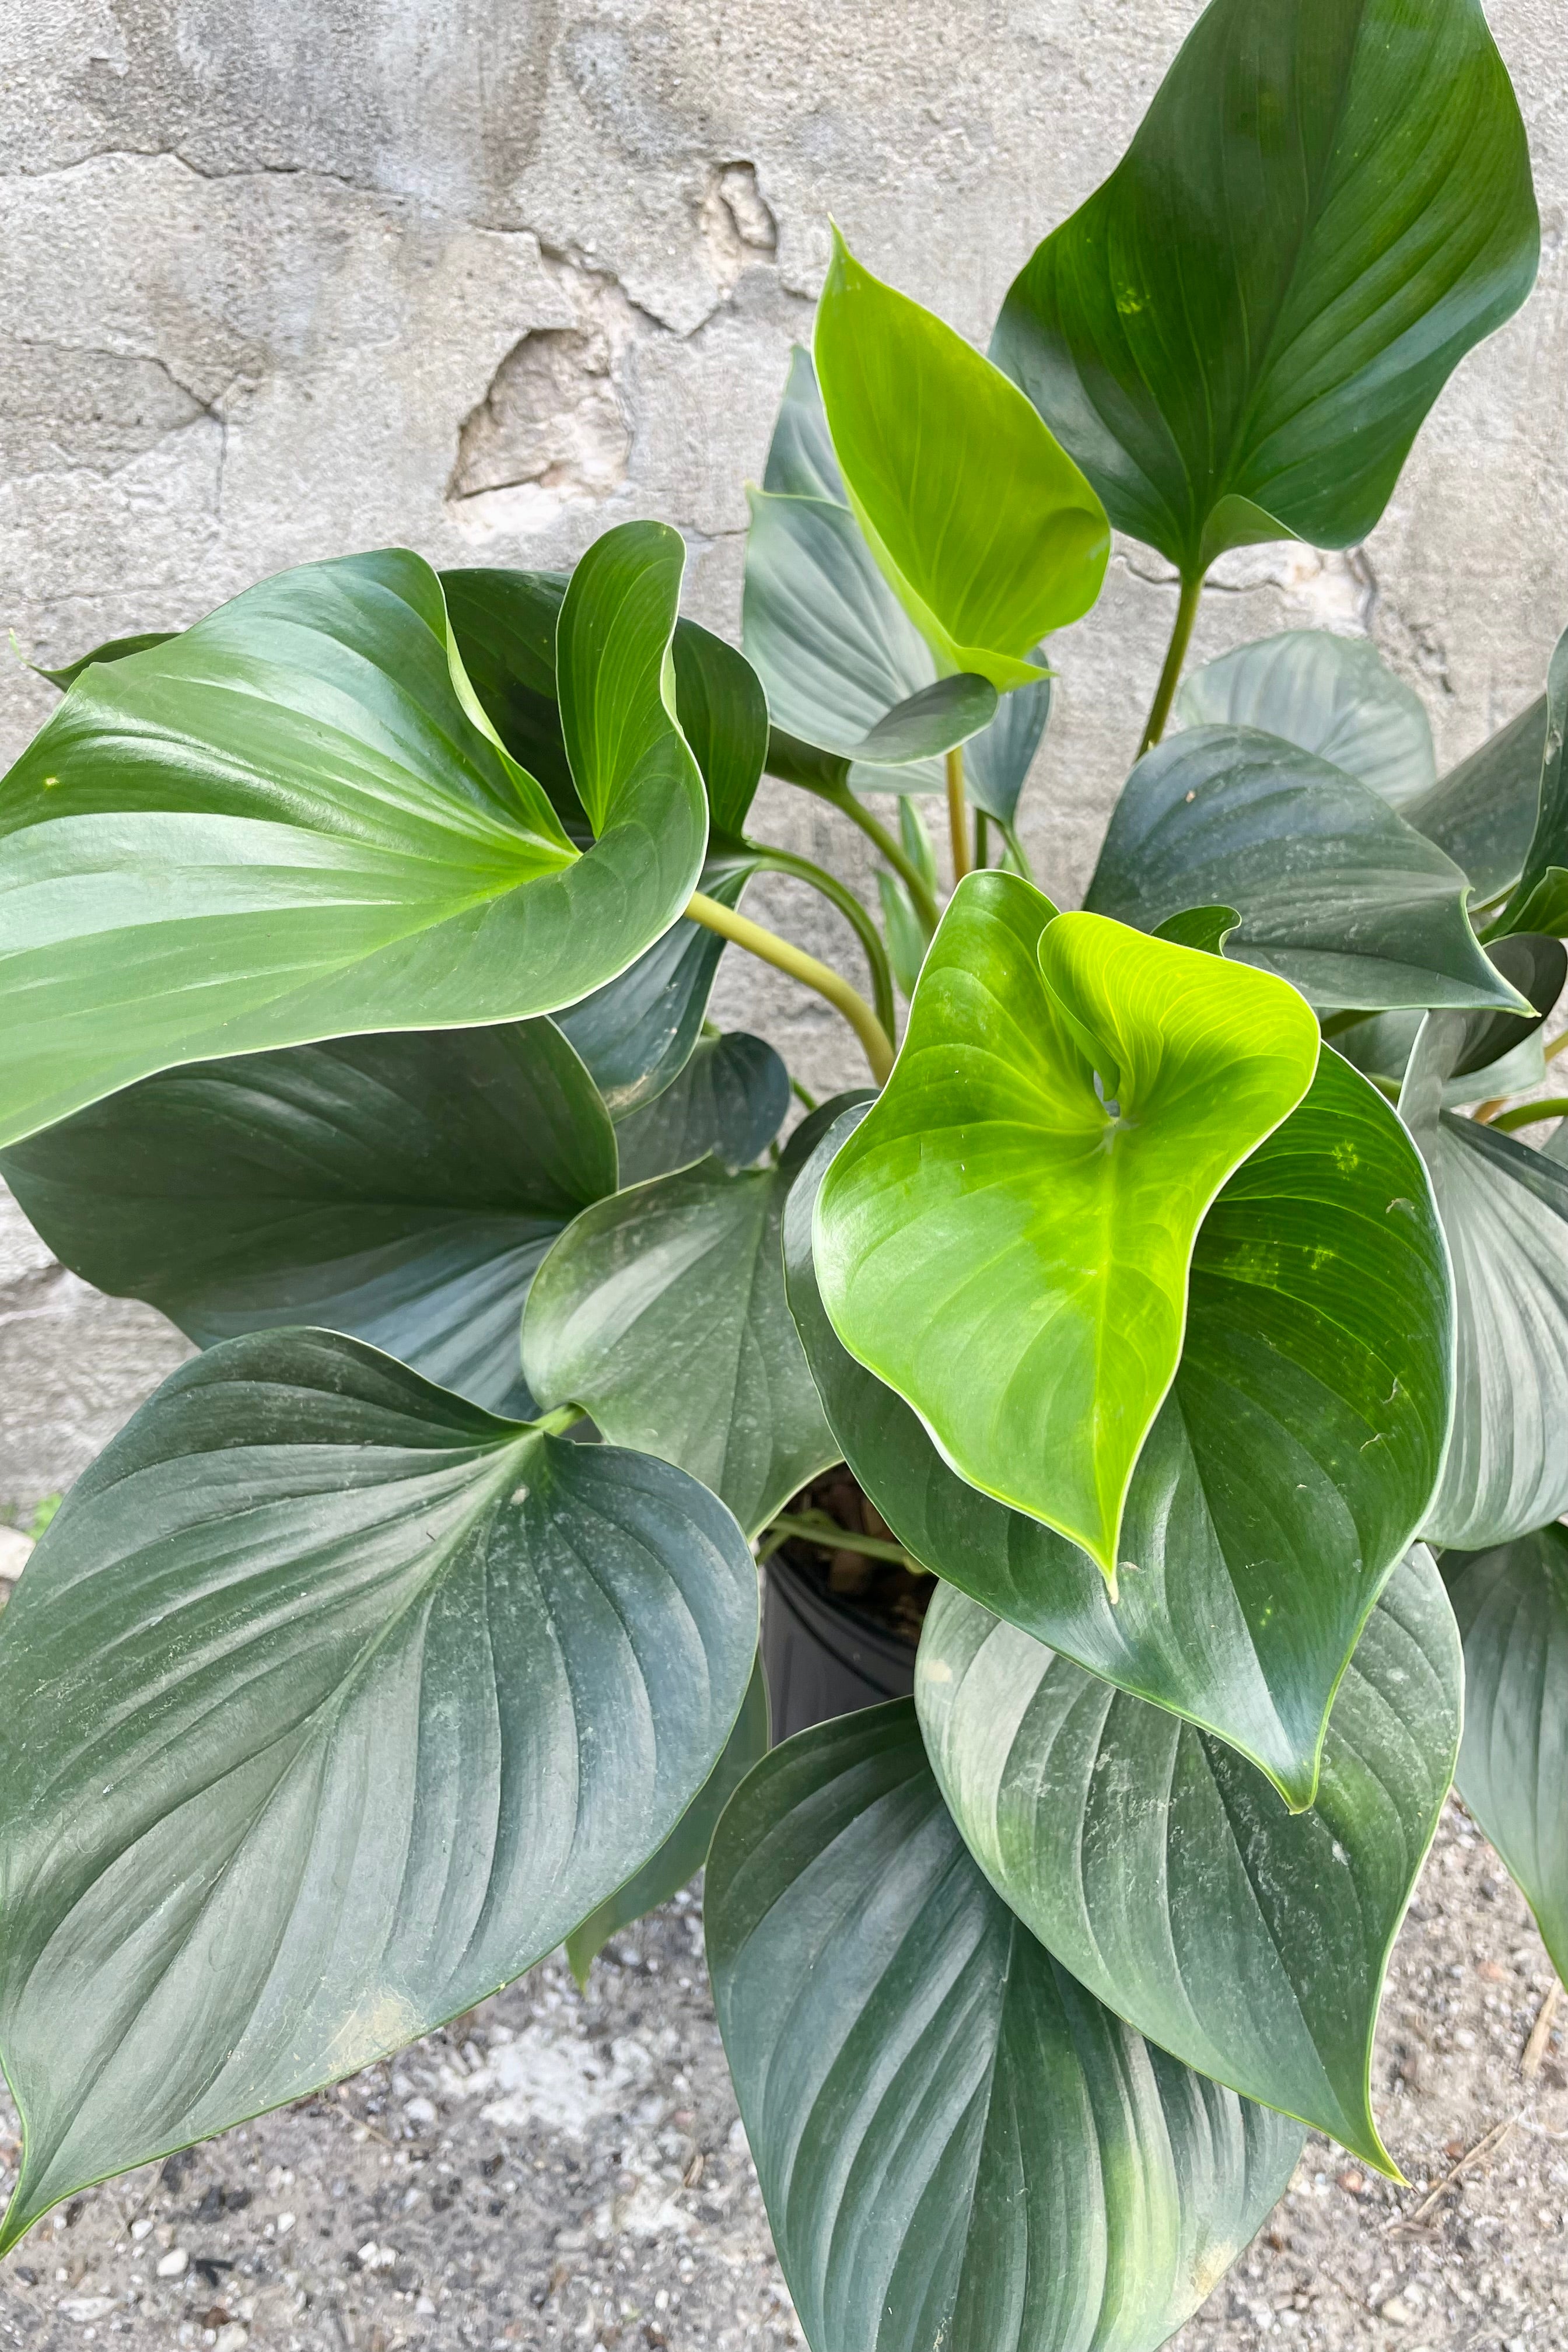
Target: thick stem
point(839, 894)
point(828, 1536)
point(766, 945)
point(957, 814)
point(890, 847)
point(1176, 655)
point(982, 838)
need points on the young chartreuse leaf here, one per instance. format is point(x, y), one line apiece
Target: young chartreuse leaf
point(1332, 695)
point(1165, 1871)
point(961, 2149)
point(661, 1311)
point(1238, 335)
point(1505, 1212)
point(295, 822)
point(1005, 1239)
point(1286, 1472)
point(400, 1187)
point(986, 530)
point(327, 1705)
point(1513, 1608)
point(1539, 901)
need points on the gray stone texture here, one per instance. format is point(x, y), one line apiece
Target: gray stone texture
point(281, 279)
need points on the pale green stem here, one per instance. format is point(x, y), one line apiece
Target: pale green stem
point(957, 814)
point(839, 894)
point(784, 956)
point(1176, 655)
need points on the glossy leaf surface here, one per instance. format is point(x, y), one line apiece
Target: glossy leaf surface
point(637, 1033)
point(113, 649)
point(1004, 1239)
point(1165, 1872)
point(504, 623)
point(985, 529)
point(1513, 1608)
point(292, 822)
point(1335, 892)
point(662, 1313)
point(957, 2145)
point(1539, 900)
point(1238, 335)
point(730, 1101)
point(1284, 1474)
point(403, 1188)
point(330, 1704)
point(1505, 1212)
point(1501, 1053)
point(685, 1850)
point(1482, 812)
point(1329, 694)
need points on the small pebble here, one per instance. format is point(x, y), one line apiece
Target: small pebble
point(232, 2339)
point(175, 2263)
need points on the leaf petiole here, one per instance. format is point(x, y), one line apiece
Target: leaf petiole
point(1176, 655)
point(957, 816)
point(840, 895)
point(784, 956)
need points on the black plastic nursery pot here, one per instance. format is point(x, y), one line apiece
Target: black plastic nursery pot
point(825, 1652)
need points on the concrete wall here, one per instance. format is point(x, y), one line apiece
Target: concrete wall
point(281, 279)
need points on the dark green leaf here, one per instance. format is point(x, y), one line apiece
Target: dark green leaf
point(662, 1313)
point(1502, 1052)
point(1165, 1871)
point(1336, 893)
point(1328, 694)
point(504, 623)
point(115, 649)
point(402, 1188)
point(997, 761)
point(1513, 1608)
point(1238, 335)
point(292, 821)
point(327, 1705)
point(1005, 1239)
point(637, 1033)
point(685, 1850)
point(980, 522)
point(730, 1101)
point(1285, 1475)
point(1539, 900)
point(1482, 812)
point(1505, 1212)
point(960, 2149)
point(725, 717)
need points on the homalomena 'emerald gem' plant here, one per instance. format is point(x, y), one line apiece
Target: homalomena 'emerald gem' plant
point(1179, 1289)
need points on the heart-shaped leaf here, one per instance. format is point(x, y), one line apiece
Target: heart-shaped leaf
point(1482, 812)
point(662, 1312)
point(638, 1032)
point(402, 1188)
point(958, 2145)
point(1285, 1475)
point(730, 1101)
point(294, 821)
point(984, 528)
point(328, 1705)
point(685, 1850)
point(1165, 1871)
point(1238, 335)
point(1540, 897)
point(1513, 1608)
point(1505, 1212)
point(1006, 1238)
point(1331, 695)
point(1335, 892)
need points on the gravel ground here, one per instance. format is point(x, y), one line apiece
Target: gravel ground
point(563, 2169)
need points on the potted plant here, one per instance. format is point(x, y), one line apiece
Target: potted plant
point(1179, 1280)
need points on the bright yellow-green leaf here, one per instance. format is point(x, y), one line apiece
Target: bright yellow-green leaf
point(984, 526)
point(1005, 1240)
